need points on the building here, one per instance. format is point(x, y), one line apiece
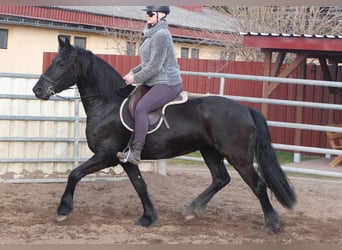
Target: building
point(28, 31)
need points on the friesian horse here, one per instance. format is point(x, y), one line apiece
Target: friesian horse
point(218, 127)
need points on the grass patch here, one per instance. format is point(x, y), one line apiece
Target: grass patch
point(287, 157)
point(283, 158)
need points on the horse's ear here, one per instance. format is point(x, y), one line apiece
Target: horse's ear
point(64, 42)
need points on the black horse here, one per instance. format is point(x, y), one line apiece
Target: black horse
point(218, 127)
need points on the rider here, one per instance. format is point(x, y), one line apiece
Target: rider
point(159, 70)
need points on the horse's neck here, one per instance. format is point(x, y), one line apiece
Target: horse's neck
point(100, 88)
point(94, 103)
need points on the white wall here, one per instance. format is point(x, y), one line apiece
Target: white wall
point(26, 46)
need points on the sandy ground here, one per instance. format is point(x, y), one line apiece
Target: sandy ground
point(105, 212)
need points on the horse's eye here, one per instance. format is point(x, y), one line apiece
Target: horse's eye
point(61, 64)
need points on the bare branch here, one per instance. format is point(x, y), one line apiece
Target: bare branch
point(282, 19)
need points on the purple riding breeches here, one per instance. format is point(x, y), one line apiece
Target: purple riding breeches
point(155, 98)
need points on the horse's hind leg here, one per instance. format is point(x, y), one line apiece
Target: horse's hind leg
point(258, 186)
point(220, 178)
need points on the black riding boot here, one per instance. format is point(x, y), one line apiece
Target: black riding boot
point(132, 155)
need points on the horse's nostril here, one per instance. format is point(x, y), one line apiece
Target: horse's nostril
point(37, 90)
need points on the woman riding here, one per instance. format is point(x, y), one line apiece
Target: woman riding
point(159, 70)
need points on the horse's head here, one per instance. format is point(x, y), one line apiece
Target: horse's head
point(60, 75)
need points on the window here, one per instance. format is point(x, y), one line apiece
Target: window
point(232, 56)
point(3, 38)
point(80, 42)
point(63, 37)
point(131, 48)
point(184, 52)
point(194, 53)
point(225, 55)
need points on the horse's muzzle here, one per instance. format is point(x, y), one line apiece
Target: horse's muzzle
point(41, 91)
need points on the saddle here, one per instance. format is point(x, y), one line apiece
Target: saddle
point(156, 117)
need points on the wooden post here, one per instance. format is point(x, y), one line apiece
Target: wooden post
point(267, 72)
point(299, 110)
point(328, 77)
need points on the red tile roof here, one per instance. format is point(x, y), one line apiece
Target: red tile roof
point(109, 21)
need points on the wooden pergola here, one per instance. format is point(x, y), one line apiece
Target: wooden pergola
point(326, 49)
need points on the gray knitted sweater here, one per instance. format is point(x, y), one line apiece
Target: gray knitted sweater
point(158, 58)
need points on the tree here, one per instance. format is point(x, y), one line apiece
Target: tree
point(124, 42)
point(281, 19)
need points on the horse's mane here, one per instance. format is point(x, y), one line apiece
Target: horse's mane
point(99, 72)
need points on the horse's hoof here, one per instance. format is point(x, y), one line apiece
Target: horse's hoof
point(192, 212)
point(273, 224)
point(147, 221)
point(60, 217)
point(272, 228)
point(188, 213)
point(189, 217)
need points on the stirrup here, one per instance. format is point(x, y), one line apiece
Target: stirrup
point(126, 152)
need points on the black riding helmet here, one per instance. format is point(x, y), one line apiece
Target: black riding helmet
point(164, 9)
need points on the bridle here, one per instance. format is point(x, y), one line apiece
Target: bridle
point(53, 93)
point(51, 89)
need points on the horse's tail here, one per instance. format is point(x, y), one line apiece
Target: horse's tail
point(268, 163)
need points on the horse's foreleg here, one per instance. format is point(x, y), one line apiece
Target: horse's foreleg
point(65, 207)
point(220, 178)
point(150, 215)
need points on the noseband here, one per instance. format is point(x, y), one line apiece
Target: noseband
point(50, 87)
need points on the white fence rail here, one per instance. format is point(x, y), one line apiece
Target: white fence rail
point(262, 79)
point(45, 136)
point(38, 135)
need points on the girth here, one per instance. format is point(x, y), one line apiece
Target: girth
point(156, 117)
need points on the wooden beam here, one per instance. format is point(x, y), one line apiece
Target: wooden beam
point(325, 69)
point(272, 71)
point(300, 97)
point(296, 62)
point(278, 63)
point(286, 72)
point(328, 77)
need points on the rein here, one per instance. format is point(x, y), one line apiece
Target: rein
point(74, 98)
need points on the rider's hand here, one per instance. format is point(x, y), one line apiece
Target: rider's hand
point(129, 78)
